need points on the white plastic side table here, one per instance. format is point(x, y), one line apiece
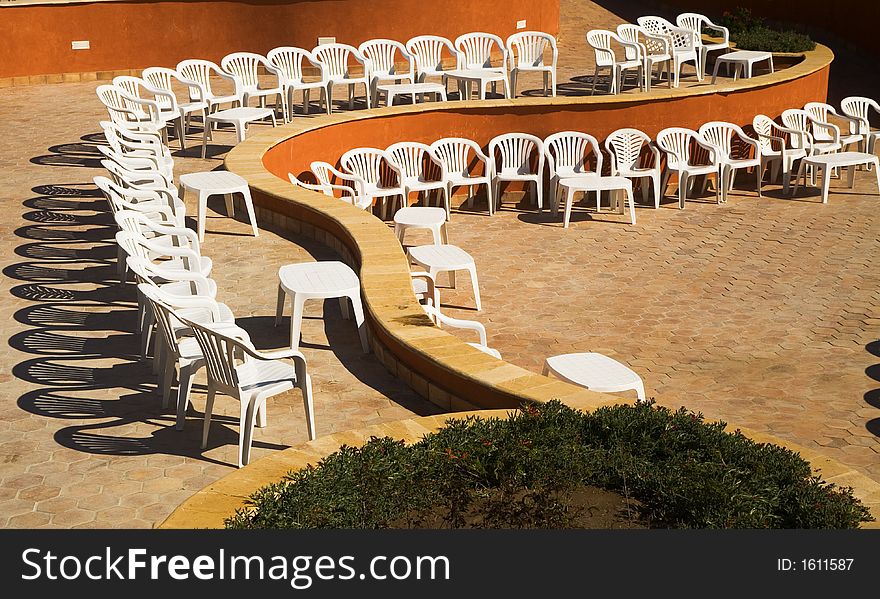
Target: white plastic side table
point(223, 183)
point(467, 77)
point(596, 372)
point(446, 258)
point(319, 280)
point(237, 117)
point(392, 90)
point(829, 162)
point(742, 61)
point(598, 184)
point(421, 217)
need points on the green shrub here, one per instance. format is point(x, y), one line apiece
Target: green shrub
point(682, 471)
point(750, 33)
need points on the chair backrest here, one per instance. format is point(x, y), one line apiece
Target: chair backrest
point(132, 86)
point(166, 319)
point(528, 47)
point(764, 126)
point(454, 153)
point(570, 150)
point(289, 60)
point(118, 103)
point(122, 175)
point(515, 151)
point(600, 41)
point(221, 353)
point(720, 134)
point(366, 163)
point(692, 22)
point(625, 147)
point(382, 53)
point(427, 50)
point(682, 39)
point(409, 157)
point(475, 49)
point(859, 107)
point(676, 142)
point(162, 78)
point(200, 72)
point(245, 67)
point(335, 58)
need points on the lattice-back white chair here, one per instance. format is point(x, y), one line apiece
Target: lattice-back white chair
point(382, 55)
point(678, 143)
point(600, 40)
point(245, 67)
point(568, 155)
point(518, 157)
point(427, 52)
point(456, 155)
point(776, 149)
point(325, 174)
point(164, 78)
point(201, 73)
point(236, 368)
point(367, 164)
point(697, 23)
point(654, 49)
point(526, 54)
point(475, 53)
point(414, 161)
point(626, 147)
point(335, 61)
point(289, 60)
point(822, 113)
point(722, 136)
point(682, 44)
point(859, 108)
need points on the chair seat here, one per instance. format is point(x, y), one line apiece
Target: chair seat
point(266, 377)
point(192, 106)
point(374, 190)
point(518, 173)
point(459, 179)
point(185, 288)
point(205, 264)
point(223, 99)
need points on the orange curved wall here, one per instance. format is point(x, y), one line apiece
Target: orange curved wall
point(598, 119)
point(36, 40)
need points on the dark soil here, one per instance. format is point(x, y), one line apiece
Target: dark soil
point(585, 507)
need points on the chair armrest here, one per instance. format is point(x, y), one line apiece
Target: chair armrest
point(725, 32)
point(713, 150)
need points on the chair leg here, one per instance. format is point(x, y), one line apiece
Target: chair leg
point(472, 269)
point(358, 310)
point(296, 320)
point(183, 389)
point(209, 408)
point(309, 406)
point(682, 188)
point(249, 206)
point(168, 381)
point(245, 433)
point(279, 306)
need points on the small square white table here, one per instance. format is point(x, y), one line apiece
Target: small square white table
point(446, 258)
point(742, 61)
point(467, 77)
point(598, 184)
point(239, 118)
point(829, 162)
point(392, 90)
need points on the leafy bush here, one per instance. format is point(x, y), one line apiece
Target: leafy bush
point(682, 471)
point(751, 33)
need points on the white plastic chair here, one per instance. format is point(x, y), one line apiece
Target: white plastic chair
point(138, 144)
point(325, 174)
point(677, 143)
point(626, 147)
point(470, 325)
point(721, 135)
point(682, 43)
point(366, 163)
point(654, 49)
point(525, 51)
point(776, 150)
point(697, 23)
point(567, 154)
point(245, 67)
point(289, 61)
point(600, 41)
point(518, 157)
point(803, 122)
point(453, 154)
point(381, 55)
point(163, 78)
point(200, 72)
point(427, 52)
point(475, 54)
point(334, 60)
point(859, 108)
point(236, 368)
point(425, 289)
point(413, 160)
point(148, 201)
point(821, 112)
point(159, 112)
point(128, 110)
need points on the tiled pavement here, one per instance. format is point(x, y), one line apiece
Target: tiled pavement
point(762, 312)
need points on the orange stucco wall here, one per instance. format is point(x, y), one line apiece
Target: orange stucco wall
point(598, 119)
point(36, 40)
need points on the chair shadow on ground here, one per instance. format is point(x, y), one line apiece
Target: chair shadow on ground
point(872, 397)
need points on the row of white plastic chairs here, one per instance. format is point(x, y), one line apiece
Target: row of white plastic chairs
point(151, 98)
point(654, 41)
point(177, 300)
point(453, 162)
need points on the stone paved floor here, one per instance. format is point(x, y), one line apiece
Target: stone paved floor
point(763, 312)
